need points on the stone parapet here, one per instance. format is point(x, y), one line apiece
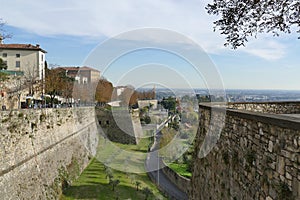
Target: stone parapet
point(257, 155)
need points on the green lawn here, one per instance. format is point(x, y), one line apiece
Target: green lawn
point(93, 183)
point(181, 169)
point(123, 157)
point(141, 147)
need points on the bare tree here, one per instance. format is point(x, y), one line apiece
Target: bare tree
point(3, 34)
point(16, 89)
point(32, 78)
point(67, 88)
point(240, 19)
point(53, 83)
point(3, 86)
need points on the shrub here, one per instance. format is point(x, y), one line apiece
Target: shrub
point(147, 120)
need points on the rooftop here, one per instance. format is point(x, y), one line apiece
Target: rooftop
point(22, 47)
point(84, 68)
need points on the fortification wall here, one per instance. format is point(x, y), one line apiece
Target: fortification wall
point(120, 125)
point(42, 151)
point(181, 182)
point(256, 157)
point(268, 107)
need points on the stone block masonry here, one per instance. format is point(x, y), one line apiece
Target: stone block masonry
point(120, 125)
point(256, 157)
point(268, 107)
point(42, 151)
point(181, 182)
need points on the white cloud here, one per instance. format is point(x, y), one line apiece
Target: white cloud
point(108, 18)
point(266, 48)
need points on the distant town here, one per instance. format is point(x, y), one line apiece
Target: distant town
point(233, 95)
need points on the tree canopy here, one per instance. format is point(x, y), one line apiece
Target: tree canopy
point(57, 83)
point(2, 64)
point(104, 91)
point(170, 104)
point(240, 19)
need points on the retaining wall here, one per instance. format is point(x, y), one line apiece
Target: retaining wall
point(181, 182)
point(256, 157)
point(42, 151)
point(118, 125)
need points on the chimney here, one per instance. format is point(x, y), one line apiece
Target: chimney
point(37, 45)
point(1, 39)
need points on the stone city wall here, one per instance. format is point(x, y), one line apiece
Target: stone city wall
point(256, 157)
point(120, 125)
point(181, 182)
point(43, 150)
point(268, 107)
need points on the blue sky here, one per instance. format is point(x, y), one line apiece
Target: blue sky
point(71, 30)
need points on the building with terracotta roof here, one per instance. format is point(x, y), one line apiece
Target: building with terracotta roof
point(26, 58)
point(83, 74)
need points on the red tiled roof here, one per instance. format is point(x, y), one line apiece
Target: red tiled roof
point(84, 68)
point(69, 68)
point(22, 46)
point(88, 68)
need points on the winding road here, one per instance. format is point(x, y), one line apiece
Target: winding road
point(153, 163)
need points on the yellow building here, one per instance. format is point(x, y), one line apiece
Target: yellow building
point(26, 69)
point(26, 58)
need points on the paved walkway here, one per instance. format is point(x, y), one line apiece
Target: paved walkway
point(155, 162)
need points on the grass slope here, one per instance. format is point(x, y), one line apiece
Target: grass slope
point(181, 169)
point(93, 183)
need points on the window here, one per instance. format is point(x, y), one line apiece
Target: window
point(77, 78)
point(42, 57)
point(84, 80)
point(18, 64)
point(5, 62)
point(4, 55)
point(18, 55)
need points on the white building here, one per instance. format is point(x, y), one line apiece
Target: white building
point(144, 103)
point(26, 58)
point(82, 75)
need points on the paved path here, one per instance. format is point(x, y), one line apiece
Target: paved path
point(155, 162)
